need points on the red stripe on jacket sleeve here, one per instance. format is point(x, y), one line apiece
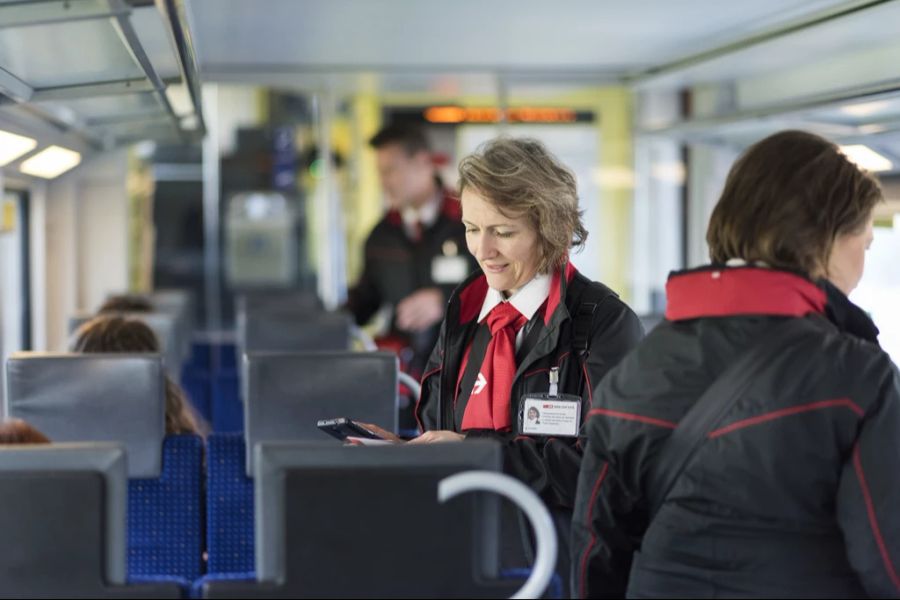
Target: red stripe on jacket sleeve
point(587, 523)
point(785, 412)
point(632, 417)
point(873, 520)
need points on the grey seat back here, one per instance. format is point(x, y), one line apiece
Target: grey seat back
point(328, 517)
point(287, 393)
point(93, 397)
point(62, 514)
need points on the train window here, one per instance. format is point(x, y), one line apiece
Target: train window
point(878, 292)
point(15, 330)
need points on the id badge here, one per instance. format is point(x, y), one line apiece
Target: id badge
point(543, 414)
point(449, 269)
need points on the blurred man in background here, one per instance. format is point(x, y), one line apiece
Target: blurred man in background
point(415, 256)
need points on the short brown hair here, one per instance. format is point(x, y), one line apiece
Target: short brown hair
point(112, 333)
point(17, 431)
point(786, 200)
point(408, 136)
point(125, 303)
point(520, 177)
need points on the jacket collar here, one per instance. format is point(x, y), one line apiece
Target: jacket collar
point(847, 316)
point(720, 291)
point(450, 209)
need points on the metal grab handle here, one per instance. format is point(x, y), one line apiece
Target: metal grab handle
point(409, 381)
point(528, 501)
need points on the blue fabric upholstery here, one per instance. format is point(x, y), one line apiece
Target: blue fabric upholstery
point(196, 382)
point(225, 357)
point(201, 355)
point(165, 515)
point(229, 530)
point(227, 409)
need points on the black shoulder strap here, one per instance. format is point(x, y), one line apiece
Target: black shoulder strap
point(712, 407)
point(593, 296)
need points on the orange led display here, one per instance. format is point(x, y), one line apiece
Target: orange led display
point(490, 114)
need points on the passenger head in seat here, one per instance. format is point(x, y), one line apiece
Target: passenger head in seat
point(17, 431)
point(111, 333)
point(121, 303)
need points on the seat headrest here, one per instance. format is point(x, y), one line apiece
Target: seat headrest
point(171, 339)
point(289, 331)
point(35, 479)
point(297, 301)
point(180, 303)
point(93, 397)
point(286, 394)
point(173, 300)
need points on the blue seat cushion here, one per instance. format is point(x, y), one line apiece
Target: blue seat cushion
point(230, 526)
point(165, 515)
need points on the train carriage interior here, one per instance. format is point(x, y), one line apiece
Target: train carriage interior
point(210, 162)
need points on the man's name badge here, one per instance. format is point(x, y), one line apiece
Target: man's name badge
point(449, 269)
point(558, 416)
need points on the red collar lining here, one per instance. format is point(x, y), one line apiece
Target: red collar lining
point(450, 208)
point(741, 291)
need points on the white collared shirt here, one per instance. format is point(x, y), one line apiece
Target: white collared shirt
point(527, 301)
point(426, 215)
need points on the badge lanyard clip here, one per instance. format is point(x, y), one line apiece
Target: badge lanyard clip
point(554, 382)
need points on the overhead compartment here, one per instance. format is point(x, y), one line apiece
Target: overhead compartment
point(90, 75)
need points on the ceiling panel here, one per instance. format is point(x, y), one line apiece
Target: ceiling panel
point(290, 36)
point(860, 33)
point(106, 107)
point(60, 54)
point(870, 112)
point(151, 29)
point(14, 13)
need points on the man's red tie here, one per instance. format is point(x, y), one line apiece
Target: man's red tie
point(489, 403)
point(415, 233)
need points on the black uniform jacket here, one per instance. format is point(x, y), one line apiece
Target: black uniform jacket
point(794, 491)
point(549, 465)
point(396, 266)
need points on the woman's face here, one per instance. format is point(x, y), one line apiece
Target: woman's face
point(507, 249)
point(848, 258)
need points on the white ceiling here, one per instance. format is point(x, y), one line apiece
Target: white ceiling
point(256, 41)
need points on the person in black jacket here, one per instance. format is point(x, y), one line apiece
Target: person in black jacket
point(782, 483)
point(414, 257)
point(527, 325)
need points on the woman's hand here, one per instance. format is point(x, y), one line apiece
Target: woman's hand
point(437, 437)
point(384, 433)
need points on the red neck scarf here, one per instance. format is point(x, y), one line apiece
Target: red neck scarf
point(489, 403)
